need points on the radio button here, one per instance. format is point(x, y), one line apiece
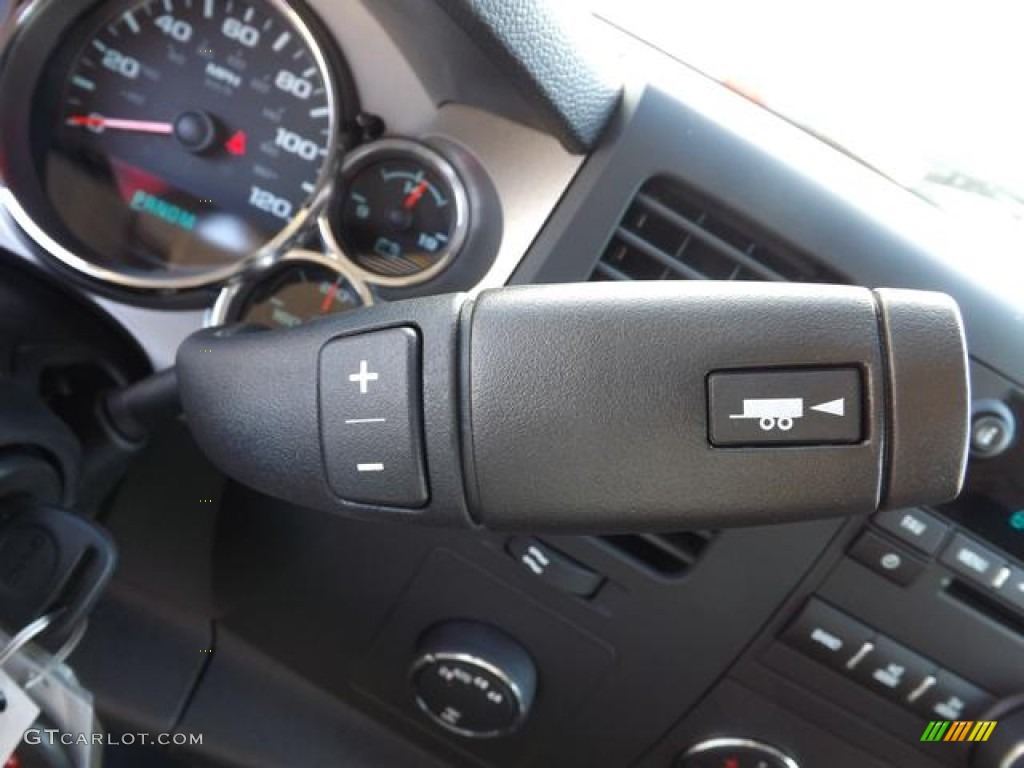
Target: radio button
point(831, 637)
point(1011, 588)
point(968, 558)
point(887, 560)
point(918, 528)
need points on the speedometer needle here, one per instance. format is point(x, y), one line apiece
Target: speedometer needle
point(139, 126)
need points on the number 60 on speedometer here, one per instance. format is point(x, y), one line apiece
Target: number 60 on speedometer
point(183, 137)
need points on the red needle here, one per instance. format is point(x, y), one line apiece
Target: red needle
point(329, 298)
point(414, 197)
point(139, 126)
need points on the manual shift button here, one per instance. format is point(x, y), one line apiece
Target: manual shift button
point(371, 417)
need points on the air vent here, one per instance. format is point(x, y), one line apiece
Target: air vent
point(671, 233)
point(669, 555)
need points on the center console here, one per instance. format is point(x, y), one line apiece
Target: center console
point(903, 645)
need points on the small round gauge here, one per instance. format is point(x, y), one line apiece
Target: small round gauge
point(301, 287)
point(402, 215)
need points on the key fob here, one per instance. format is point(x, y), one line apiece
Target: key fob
point(51, 562)
point(43, 752)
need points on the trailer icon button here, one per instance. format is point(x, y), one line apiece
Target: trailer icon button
point(789, 407)
point(772, 412)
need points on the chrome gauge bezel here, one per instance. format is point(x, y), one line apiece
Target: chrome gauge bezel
point(269, 253)
point(231, 295)
point(398, 147)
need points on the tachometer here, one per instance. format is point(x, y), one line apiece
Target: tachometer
point(187, 135)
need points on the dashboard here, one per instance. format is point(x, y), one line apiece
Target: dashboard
point(260, 168)
point(191, 163)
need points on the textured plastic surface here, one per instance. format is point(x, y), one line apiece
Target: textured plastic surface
point(46, 333)
point(262, 715)
point(29, 429)
point(252, 402)
point(927, 358)
point(588, 404)
point(539, 50)
point(535, 62)
point(584, 407)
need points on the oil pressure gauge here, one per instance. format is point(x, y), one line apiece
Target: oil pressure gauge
point(402, 213)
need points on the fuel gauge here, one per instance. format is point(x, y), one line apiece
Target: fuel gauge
point(301, 287)
point(402, 213)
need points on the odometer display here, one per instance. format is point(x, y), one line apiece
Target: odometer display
point(189, 135)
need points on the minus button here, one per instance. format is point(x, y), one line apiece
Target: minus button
point(369, 467)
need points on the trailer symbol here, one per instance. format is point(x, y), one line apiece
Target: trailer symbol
point(772, 412)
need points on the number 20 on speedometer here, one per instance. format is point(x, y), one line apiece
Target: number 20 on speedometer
point(189, 135)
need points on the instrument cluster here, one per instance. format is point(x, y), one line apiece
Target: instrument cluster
point(177, 146)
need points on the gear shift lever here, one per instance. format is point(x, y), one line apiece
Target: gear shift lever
point(596, 407)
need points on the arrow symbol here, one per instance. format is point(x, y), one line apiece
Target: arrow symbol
point(236, 144)
point(835, 407)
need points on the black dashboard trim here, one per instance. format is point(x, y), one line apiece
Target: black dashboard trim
point(656, 133)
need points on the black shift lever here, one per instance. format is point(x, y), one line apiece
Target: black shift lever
point(596, 407)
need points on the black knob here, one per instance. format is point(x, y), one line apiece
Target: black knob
point(1005, 746)
point(473, 679)
point(736, 753)
point(993, 428)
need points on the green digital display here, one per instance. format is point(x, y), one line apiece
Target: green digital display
point(169, 212)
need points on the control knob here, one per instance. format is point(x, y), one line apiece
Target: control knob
point(1005, 747)
point(473, 679)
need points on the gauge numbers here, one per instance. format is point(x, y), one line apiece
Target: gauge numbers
point(197, 130)
point(401, 214)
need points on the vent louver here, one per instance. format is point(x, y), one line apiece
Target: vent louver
point(671, 233)
point(669, 555)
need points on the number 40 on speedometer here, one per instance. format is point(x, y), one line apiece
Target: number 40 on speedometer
point(199, 131)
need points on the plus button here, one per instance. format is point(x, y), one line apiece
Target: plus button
point(364, 377)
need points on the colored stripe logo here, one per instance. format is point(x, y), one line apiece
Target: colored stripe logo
point(958, 730)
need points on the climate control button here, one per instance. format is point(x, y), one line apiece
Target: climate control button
point(894, 671)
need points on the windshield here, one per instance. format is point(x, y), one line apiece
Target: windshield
point(926, 92)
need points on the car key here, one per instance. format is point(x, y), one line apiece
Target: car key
point(17, 712)
point(52, 562)
point(55, 698)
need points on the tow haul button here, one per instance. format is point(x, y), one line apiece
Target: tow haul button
point(785, 407)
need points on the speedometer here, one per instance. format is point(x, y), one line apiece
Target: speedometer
point(186, 136)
